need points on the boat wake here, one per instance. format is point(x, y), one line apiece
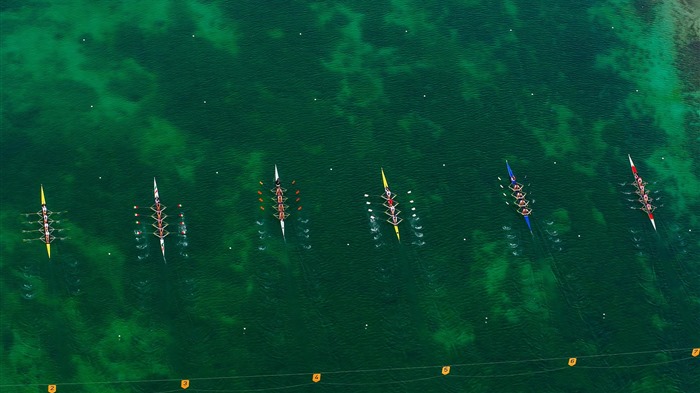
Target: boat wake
point(551, 234)
point(302, 231)
point(182, 242)
point(29, 280)
point(141, 239)
point(415, 223)
point(639, 242)
point(71, 275)
point(513, 240)
point(374, 224)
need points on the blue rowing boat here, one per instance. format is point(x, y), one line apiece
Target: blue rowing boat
point(516, 187)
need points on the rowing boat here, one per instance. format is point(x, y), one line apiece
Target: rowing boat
point(159, 216)
point(45, 222)
point(280, 206)
point(640, 185)
point(390, 204)
point(521, 204)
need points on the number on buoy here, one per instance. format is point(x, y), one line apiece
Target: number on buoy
point(316, 378)
point(572, 362)
point(696, 352)
point(445, 370)
point(185, 383)
point(52, 389)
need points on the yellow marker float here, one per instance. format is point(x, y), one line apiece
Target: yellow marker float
point(445, 370)
point(316, 378)
point(572, 362)
point(52, 389)
point(696, 352)
point(185, 383)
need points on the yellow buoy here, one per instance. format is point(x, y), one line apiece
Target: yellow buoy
point(572, 362)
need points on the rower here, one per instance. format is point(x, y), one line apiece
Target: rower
point(645, 198)
point(512, 178)
point(640, 182)
point(516, 187)
point(519, 195)
point(387, 192)
point(525, 212)
point(522, 203)
point(649, 208)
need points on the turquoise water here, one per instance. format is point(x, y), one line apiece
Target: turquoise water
point(208, 97)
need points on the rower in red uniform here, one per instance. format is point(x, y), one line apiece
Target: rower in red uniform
point(523, 202)
point(516, 187)
point(525, 212)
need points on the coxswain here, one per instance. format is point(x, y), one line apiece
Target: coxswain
point(277, 182)
point(512, 179)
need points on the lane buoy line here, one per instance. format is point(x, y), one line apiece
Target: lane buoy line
point(572, 362)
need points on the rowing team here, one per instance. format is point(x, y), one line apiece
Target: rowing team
point(279, 193)
point(393, 212)
point(643, 193)
point(519, 196)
